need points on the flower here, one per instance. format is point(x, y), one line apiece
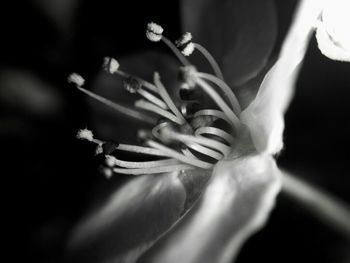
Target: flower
point(210, 137)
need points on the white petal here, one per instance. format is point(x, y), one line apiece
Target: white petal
point(264, 116)
point(236, 203)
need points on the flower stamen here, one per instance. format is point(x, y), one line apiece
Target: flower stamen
point(118, 107)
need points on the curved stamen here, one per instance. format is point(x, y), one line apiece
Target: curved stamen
point(225, 88)
point(141, 149)
point(176, 155)
point(154, 170)
point(215, 113)
point(150, 97)
point(215, 131)
point(215, 145)
point(205, 151)
point(210, 59)
point(166, 97)
point(112, 161)
point(143, 82)
point(188, 153)
point(220, 103)
point(142, 104)
point(120, 108)
point(177, 53)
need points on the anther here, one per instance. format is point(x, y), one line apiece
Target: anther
point(111, 65)
point(154, 32)
point(85, 134)
point(76, 79)
point(185, 44)
point(109, 147)
point(132, 84)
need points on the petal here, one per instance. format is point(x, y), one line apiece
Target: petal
point(333, 30)
point(264, 116)
point(236, 203)
point(240, 34)
point(130, 220)
point(113, 125)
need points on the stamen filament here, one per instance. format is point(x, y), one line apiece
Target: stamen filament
point(215, 131)
point(210, 59)
point(143, 82)
point(220, 102)
point(225, 88)
point(224, 149)
point(152, 98)
point(215, 113)
point(204, 150)
point(120, 108)
point(182, 158)
point(141, 149)
point(142, 104)
point(188, 153)
point(154, 170)
point(148, 164)
point(166, 97)
point(177, 53)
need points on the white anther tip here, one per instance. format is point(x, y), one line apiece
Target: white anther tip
point(154, 32)
point(185, 38)
point(76, 79)
point(188, 49)
point(111, 65)
point(85, 134)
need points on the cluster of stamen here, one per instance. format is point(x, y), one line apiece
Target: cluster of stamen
point(184, 136)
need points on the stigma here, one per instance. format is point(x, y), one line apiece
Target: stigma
point(196, 131)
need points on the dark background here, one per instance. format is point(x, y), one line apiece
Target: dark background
point(49, 178)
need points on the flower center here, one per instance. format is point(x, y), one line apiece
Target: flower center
point(187, 133)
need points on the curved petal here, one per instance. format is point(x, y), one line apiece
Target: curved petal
point(264, 116)
point(130, 220)
point(240, 34)
point(236, 203)
point(113, 125)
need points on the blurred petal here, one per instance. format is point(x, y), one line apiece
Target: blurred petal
point(107, 122)
point(130, 220)
point(60, 12)
point(264, 116)
point(240, 34)
point(236, 203)
point(25, 93)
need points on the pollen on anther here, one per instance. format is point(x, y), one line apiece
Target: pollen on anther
point(185, 44)
point(111, 65)
point(132, 85)
point(85, 134)
point(76, 79)
point(154, 32)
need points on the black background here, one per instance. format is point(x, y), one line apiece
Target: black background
point(49, 178)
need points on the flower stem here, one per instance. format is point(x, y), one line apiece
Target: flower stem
point(323, 205)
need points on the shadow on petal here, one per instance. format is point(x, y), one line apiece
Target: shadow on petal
point(240, 34)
